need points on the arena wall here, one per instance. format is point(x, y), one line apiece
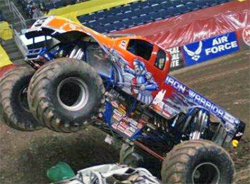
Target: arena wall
point(201, 35)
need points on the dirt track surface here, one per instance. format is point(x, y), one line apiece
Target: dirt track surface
point(25, 157)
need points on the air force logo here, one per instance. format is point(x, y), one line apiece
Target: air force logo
point(204, 50)
point(195, 55)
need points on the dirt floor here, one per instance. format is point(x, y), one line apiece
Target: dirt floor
point(25, 157)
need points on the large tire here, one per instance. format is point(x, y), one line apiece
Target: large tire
point(14, 110)
point(198, 162)
point(65, 93)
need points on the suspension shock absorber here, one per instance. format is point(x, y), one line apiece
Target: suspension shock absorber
point(73, 52)
point(195, 122)
point(200, 123)
point(76, 53)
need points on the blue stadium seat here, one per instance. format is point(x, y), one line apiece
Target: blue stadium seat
point(94, 16)
point(113, 19)
point(155, 1)
point(125, 16)
point(115, 11)
point(144, 4)
point(107, 28)
point(209, 2)
point(173, 11)
point(127, 23)
point(126, 8)
point(156, 7)
point(135, 6)
point(164, 1)
point(140, 12)
point(137, 21)
point(222, 1)
point(108, 20)
point(86, 18)
point(91, 17)
point(58, 4)
point(183, 1)
point(182, 8)
point(165, 5)
point(147, 10)
point(94, 24)
point(192, 6)
point(101, 14)
point(145, 19)
point(49, 6)
point(203, 3)
point(118, 26)
point(174, 3)
point(100, 29)
point(111, 29)
point(106, 24)
point(155, 16)
point(164, 14)
point(81, 18)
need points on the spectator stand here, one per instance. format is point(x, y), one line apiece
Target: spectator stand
point(140, 13)
point(11, 32)
point(73, 11)
point(17, 14)
point(37, 8)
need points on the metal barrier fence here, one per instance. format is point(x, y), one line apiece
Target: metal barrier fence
point(19, 26)
point(17, 14)
point(7, 2)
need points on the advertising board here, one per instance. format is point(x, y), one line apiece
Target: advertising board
point(211, 48)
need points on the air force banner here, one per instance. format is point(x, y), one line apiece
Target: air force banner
point(211, 48)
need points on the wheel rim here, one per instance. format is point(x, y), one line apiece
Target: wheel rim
point(72, 94)
point(23, 100)
point(206, 173)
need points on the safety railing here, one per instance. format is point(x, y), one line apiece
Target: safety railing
point(16, 13)
point(7, 2)
point(19, 26)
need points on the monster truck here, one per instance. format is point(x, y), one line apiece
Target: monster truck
point(120, 84)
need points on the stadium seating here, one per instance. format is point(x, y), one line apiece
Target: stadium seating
point(46, 4)
point(72, 11)
point(141, 12)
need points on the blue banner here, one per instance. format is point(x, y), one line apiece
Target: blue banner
point(204, 50)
